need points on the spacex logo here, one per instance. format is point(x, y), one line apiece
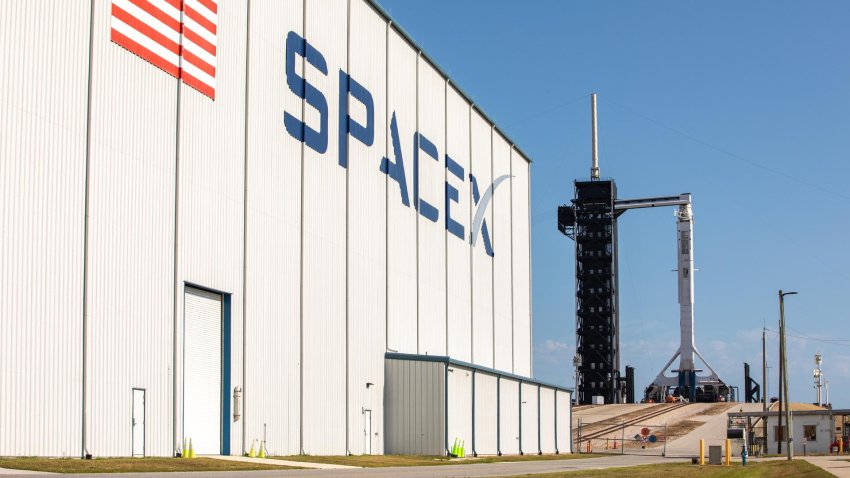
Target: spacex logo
point(481, 202)
point(394, 167)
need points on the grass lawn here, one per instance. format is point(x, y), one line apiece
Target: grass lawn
point(767, 469)
point(129, 465)
point(377, 461)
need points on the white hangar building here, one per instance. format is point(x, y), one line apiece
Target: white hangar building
point(228, 221)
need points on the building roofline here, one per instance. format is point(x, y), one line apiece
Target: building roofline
point(479, 368)
point(407, 36)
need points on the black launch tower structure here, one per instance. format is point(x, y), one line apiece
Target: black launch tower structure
point(591, 221)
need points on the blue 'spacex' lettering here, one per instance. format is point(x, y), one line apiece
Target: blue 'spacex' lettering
point(315, 140)
point(351, 90)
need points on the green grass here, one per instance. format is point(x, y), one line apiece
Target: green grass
point(379, 461)
point(129, 465)
point(767, 469)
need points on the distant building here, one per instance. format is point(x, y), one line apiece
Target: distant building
point(813, 430)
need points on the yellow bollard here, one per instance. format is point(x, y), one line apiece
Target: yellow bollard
point(728, 452)
point(701, 452)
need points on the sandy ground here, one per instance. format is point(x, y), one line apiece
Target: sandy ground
point(685, 427)
point(713, 432)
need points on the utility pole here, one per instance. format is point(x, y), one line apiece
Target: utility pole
point(779, 415)
point(764, 396)
point(784, 364)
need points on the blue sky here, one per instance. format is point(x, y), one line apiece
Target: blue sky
point(746, 105)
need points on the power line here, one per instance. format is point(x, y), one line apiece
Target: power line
point(547, 111)
point(727, 152)
point(841, 342)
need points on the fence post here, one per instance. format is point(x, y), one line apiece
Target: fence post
point(664, 453)
point(623, 435)
point(579, 435)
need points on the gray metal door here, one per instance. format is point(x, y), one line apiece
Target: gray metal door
point(138, 422)
point(367, 431)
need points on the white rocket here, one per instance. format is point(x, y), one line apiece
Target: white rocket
point(686, 374)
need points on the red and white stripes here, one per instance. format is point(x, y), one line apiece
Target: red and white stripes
point(178, 36)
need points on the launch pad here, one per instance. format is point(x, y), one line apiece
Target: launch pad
point(591, 221)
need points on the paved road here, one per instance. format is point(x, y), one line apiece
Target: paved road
point(442, 471)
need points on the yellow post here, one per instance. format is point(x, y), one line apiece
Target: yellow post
point(701, 452)
point(841, 446)
point(728, 452)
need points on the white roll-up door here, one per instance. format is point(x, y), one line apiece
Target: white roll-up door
point(202, 370)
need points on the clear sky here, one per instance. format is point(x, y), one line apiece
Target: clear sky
point(746, 105)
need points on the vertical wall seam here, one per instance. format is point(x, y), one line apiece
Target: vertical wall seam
point(301, 259)
point(513, 279)
point(520, 418)
point(347, 222)
point(245, 225)
point(83, 440)
point(556, 423)
point(386, 193)
point(176, 242)
point(416, 199)
point(471, 261)
point(446, 218)
point(530, 310)
point(474, 452)
point(493, 227)
point(499, 415)
point(539, 448)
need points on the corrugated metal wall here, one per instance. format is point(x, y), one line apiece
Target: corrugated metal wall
point(529, 427)
point(211, 186)
point(521, 237)
point(460, 406)
point(131, 236)
point(367, 264)
point(509, 420)
point(547, 420)
point(402, 309)
point(563, 422)
point(482, 265)
point(324, 232)
point(327, 267)
point(273, 167)
point(414, 396)
point(483, 410)
point(430, 178)
point(486, 414)
point(44, 47)
point(503, 327)
point(458, 252)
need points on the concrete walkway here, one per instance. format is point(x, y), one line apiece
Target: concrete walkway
point(837, 465)
point(9, 471)
point(480, 470)
point(270, 461)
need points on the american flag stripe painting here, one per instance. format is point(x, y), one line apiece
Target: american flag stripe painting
point(177, 36)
